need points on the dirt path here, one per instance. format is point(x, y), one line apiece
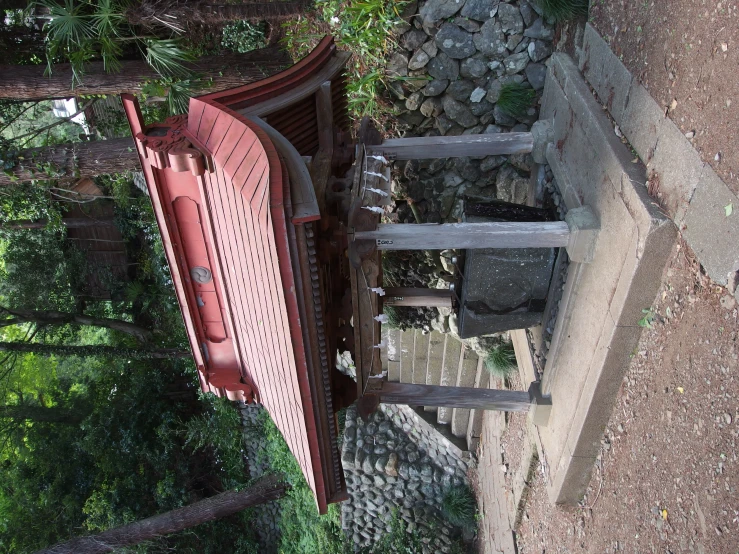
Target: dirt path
point(667, 479)
point(686, 53)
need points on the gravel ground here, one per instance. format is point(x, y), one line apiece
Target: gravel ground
point(686, 53)
point(666, 479)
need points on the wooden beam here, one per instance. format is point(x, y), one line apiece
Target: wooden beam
point(410, 296)
point(453, 397)
point(497, 234)
point(325, 117)
point(417, 148)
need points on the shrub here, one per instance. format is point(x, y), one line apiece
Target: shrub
point(515, 99)
point(562, 10)
point(459, 507)
point(243, 36)
point(501, 359)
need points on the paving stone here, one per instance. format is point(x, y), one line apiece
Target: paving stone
point(450, 369)
point(465, 378)
point(712, 235)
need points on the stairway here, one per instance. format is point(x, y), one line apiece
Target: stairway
point(437, 359)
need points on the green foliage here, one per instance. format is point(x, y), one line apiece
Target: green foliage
point(166, 56)
point(648, 319)
point(244, 36)
point(459, 506)
point(79, 31)
point(361, 27)
point(219, 428)
point(40, 271)
point(303, 530)
point(562, 10)
point(501, 360)
point(515, 99)
point(399, 540)
point(137, 453)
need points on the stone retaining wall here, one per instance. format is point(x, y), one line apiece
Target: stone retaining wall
point(397, 464)
point(452, 62)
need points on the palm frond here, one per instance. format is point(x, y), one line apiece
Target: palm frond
point(167, 57)
point(109, 18)
point(67, 23)
point(111, 52)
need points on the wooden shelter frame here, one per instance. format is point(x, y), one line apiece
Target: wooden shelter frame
point(270, 220)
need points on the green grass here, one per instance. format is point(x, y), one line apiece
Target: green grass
point(459, 507)
point(515, 99)
point(361, 27)
point(501, 360)
point(562, 10)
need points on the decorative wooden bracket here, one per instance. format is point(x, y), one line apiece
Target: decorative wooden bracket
point(171, 145)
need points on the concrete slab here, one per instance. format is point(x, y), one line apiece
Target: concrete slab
point(690, 191)
point(496, 531)
point(420, 358)
point(610, 78)
point(474, 427)
point(468, 369)
point(717, 244)
point(393, 371)
point(435, 362)
point(407, 341)
point(449, 371)
point(675, 169)
point(595, 330)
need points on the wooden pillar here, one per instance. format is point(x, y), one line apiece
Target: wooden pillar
point(532, 401)
point(498, 234)
point(410, 296)
point(417, 148)
point(454, 397)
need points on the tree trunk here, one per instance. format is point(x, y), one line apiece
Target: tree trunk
point(252, 11)
point(152, 14)
point(27, 82)
point(13, 4)
point(50, 317)
point(88, 350)
point(221, 505)
point(68, 222)
point(41, 414)
point(74, 160)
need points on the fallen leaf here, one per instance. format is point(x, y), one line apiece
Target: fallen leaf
point(729, 209)
point(635, 161)
point(664, 515)
point(673, 104)
point(680, 390)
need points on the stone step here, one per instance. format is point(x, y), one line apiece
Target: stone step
point(407, 343)
point(468, 369)
point(474, 428)
point(420, 357)
point(435, 361)
point(391, 338)
point(449, 371)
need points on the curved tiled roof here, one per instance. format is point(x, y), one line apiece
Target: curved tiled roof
point(222, 198)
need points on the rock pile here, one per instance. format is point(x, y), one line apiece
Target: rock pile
point(453, 60)
point(397, 464)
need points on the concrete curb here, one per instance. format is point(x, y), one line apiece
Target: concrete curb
point(597, 323)
point(692, 193)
